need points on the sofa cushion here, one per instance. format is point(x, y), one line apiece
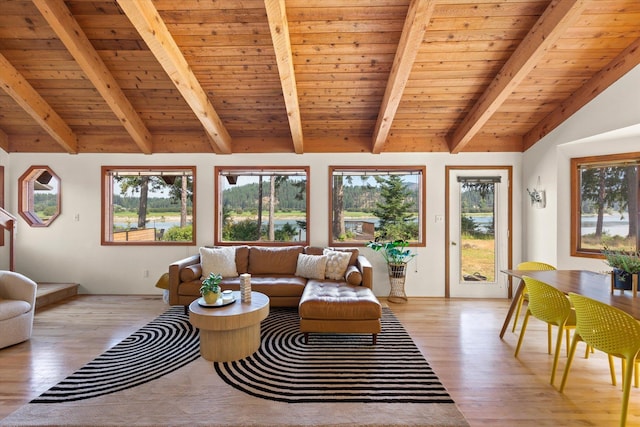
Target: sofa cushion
point(353, 276)
point(337, 301)
point(270, 260)
point(317, 250)
point(191, 272)
point(354, 252)
point(10, 308)
point(271, 285)
point(220, 260)
point(314, 250)
point(242, 259)
point(337, 263)
point(311, 266)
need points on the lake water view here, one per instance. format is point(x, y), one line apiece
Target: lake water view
point(614, 225)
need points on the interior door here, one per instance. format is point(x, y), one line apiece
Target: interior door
point(478, 223)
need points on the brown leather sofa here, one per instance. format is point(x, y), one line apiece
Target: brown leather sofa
point(272, 272)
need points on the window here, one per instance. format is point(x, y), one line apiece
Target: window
point(262, 205)
point(605, 208)
point(370, 202)
point(39, 196)
point(148, 205)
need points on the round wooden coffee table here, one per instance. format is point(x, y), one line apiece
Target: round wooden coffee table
point(231, 332)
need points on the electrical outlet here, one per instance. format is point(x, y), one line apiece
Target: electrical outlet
point(145, 274)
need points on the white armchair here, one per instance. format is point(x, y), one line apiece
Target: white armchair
point(17, 307)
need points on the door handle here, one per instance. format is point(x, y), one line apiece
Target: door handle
point(454, 244)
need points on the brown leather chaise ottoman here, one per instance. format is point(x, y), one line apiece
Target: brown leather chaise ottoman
point(339, 308)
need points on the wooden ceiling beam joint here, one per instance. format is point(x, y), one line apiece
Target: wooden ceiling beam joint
point(415, 26)
point(279, 26)
point(18, 88)
point(618, 67)
point(552, 24)
point(4, 141)
point(79, 46)
point(149, 24)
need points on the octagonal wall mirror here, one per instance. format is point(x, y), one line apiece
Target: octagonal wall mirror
point(39, 196)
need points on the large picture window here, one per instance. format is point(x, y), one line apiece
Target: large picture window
point(605, 207)
point(262, 205)
point(148, 205)
point(385, 202)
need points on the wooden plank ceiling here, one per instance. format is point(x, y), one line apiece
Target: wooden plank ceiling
point(303, 76)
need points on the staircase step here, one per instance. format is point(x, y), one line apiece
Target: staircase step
point(50, 293)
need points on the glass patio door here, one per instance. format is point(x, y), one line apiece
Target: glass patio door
point(478, 232)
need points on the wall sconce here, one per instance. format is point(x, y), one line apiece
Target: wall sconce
point(538, 196)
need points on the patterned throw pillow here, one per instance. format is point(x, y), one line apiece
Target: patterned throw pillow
point(311, 266)
point(218, 261)
point(337, 263)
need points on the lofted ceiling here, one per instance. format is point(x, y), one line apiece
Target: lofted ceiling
point(303, 76)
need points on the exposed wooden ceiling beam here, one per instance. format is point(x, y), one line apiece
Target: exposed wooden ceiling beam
point(4, 141)
point(555, 20)
point(30, 100)
point(618, 67)
point(71, 34)
point(415, 25)
point(146, 19)
point(279, 26)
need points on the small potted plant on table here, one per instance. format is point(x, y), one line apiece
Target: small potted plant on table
point(210, 289)
point(625, 265)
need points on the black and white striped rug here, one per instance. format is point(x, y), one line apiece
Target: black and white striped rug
point(330, 368)
point(158, 348)
point(334, 367)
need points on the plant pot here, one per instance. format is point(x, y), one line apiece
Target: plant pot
point(211, 297)
point(397, 270)
point(622, 279)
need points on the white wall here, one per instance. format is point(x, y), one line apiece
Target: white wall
point(607, 125)
point(70, 251)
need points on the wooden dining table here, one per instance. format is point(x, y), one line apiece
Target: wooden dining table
point(588, 283)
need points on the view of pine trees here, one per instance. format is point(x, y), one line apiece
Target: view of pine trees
point(609, 191)
point(243, 198)
point(154, 204)
point(375, 206)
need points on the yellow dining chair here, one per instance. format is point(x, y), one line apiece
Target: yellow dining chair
point(553, 307)
point(527, 265)
point(610, 330)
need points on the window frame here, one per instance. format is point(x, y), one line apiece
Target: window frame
point(422, 192)
point(576, 197)
point(106, 218)
point(218, 190)
point(26, 196)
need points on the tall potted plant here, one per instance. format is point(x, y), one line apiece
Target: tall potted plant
point(397, 255)
point(625, 265)
point(394, 252)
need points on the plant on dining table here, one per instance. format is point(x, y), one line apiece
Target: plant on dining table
point(627, 261)
point(624, 265)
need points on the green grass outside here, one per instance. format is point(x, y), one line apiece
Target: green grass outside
point(478, 255)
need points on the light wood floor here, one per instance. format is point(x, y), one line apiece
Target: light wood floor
point(458, 337)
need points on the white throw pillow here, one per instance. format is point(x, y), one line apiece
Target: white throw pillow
point(311, 266)
point(337, 263)
point(218, 261)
